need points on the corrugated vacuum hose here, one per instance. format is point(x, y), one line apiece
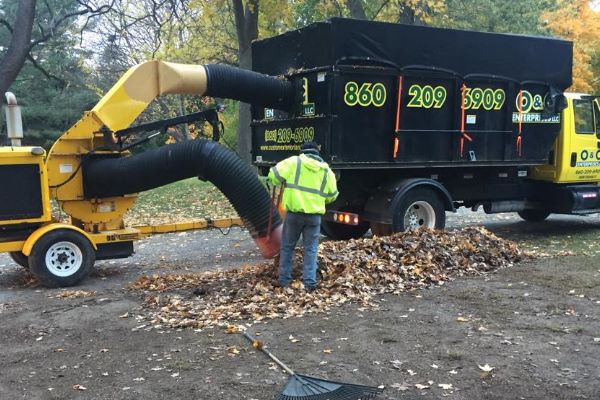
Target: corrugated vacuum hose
point(109, 176)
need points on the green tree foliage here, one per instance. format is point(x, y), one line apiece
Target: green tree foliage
point(506, 16)
point(52, 86)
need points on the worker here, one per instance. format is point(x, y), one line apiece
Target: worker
point(308, 185)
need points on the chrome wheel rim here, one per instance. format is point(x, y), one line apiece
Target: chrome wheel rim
point(419, 214)
point(63, 259)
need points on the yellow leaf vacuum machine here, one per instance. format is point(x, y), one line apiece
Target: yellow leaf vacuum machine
point(95, 180)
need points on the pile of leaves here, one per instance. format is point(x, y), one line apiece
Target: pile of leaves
point(349, 271)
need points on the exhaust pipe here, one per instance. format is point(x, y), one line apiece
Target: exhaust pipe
point(14, 123)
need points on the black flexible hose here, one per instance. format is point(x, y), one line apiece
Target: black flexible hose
point(106, 177)
point(248, 86)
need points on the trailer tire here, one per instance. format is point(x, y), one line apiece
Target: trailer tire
point(337, 231)
point(20, 259)
point(420, 207)
point(533, 215)
point(62, 257)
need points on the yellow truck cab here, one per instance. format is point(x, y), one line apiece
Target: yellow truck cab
point(575, 156)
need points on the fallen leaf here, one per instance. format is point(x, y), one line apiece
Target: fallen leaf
point(400, 386)
point(232, 329)
point(485, 368)
point(293, 339)
point(257, 344)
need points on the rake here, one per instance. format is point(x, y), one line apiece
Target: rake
point(303, 387)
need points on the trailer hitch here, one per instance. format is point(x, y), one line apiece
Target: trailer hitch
point(116, 140)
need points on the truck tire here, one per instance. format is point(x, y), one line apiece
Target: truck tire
point(20, 259)
point(419, 208)
point(533, 215)
point(62, 257)
point(337, 231)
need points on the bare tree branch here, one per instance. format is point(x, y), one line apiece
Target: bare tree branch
point(47, 74)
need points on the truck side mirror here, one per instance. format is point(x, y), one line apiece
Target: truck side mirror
point(554, 102)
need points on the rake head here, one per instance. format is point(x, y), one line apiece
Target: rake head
point(302, 387)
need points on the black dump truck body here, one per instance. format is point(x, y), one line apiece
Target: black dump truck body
point(397, 108)
point(389, 95)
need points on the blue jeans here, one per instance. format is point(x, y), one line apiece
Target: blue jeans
point(309, 225)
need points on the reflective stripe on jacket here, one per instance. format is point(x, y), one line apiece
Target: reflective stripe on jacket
point(309, 184)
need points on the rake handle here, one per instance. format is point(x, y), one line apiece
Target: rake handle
point(267, 352)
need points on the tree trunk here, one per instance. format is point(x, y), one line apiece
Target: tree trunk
point(356, 9)
point(246, 21)
point(18, 49)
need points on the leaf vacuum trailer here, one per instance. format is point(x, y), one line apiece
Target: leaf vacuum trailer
point(95, 180)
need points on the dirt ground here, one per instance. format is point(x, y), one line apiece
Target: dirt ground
point(537, 325)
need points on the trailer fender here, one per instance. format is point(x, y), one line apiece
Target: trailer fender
point(38, 233)
point(382, 203)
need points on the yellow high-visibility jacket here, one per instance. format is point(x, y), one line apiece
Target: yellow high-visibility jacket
point(309, 184)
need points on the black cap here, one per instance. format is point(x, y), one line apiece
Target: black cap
point(310, 148)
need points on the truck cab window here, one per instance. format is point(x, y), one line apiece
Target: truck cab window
point(597, 115)
point(584, 117)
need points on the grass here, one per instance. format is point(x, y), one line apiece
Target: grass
point(180, 201)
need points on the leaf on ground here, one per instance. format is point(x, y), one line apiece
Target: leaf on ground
point(400, 386)
point(485, 368)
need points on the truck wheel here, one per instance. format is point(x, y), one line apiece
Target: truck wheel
point(419, 208)
point(337, 231)
point(533, 215)
point(20, 259)
point(62, 257)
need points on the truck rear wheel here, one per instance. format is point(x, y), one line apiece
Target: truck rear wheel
point(62, 257)
point(419, 208)
point(20, 259)
point(533, 215)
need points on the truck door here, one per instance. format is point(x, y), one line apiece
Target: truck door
point(582, 143)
